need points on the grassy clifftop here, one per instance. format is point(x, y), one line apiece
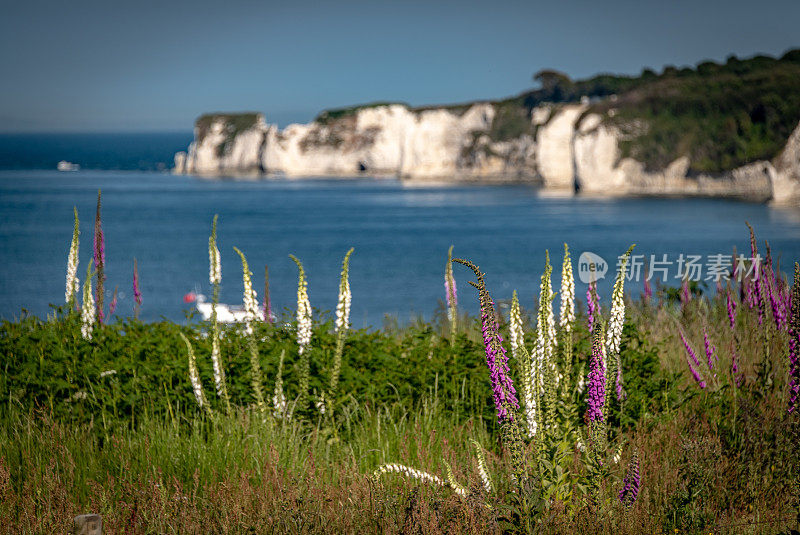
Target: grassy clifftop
point(235, 123)
point(720, 115)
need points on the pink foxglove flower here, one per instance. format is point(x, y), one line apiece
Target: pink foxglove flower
point(693, 361)
point(596, 390)
point(503, 392)
point(630, 484)
point(794, 344)
point(731, 310)
point(711, 349)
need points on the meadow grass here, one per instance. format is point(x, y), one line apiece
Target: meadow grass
point(110, 424)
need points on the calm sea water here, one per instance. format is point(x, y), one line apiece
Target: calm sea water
point(400, 234)
point(129, 151)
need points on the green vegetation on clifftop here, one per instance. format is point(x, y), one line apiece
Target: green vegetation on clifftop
point(235, 123)
point(719, 115)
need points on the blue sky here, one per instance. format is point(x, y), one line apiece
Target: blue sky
point(156, 65)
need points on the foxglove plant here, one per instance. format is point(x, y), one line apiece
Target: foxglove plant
point(630, 483)
point(758, 291)
point(426, 477)
point(249, 297)
point(73, 285)
point(567, 314)
point(451, 295)
point(251, 316)
point(686, 295)
point(777, 303)
point(786, 301)
point(503, 392)
point(99, 261)
point(520, 354)
point(710, 349)
point(597, 398)
point(692, 361)
point(596, 381)
point(533, 384)
point(794, 344)
point(304, 324)
point(516, 335)
point(592, 304)
point(342, 324)
point(616, 322)
point(87, 307)
point(278, 397)
point(551, 318)
point(194, 377)
point(113, 305)
point(345, 297)
point(214, 258)
point(731, 304)
point(544, 368)
point(137, 294)
point(483, 472)
point(215, 278)
point(451, 480)
point(409, 472)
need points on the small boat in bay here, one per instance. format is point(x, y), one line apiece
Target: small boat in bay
point(64, 165)
point(225, 313)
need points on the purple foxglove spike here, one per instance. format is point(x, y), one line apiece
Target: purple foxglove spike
point(686, 295)
point(696, 374)
point(503, 392)
point(596, 380)
point(592, 304)
point(691, 358)
point(689, 350)
point(137, 294)
point(794, 343)
point(631, 483)
point(731, 310)
point(113, 306)
point(711, 356)
point(99, 262)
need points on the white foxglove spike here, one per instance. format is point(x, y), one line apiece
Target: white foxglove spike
point(73, 285)
point(567, 315)
point(88, 310)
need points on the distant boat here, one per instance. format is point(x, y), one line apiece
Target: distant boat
point(225, 313)
point(64, 165)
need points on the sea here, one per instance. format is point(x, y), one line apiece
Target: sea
point(400, 232)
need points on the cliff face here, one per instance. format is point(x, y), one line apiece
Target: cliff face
point(600, 170)
point(569, 150)
point(393, 140)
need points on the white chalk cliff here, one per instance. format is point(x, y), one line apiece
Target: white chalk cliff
point(567, 150)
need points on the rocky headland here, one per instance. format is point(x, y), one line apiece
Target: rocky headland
point(606, 136)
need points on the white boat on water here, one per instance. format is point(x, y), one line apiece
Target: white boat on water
point(225, 313)
point(64, 165)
